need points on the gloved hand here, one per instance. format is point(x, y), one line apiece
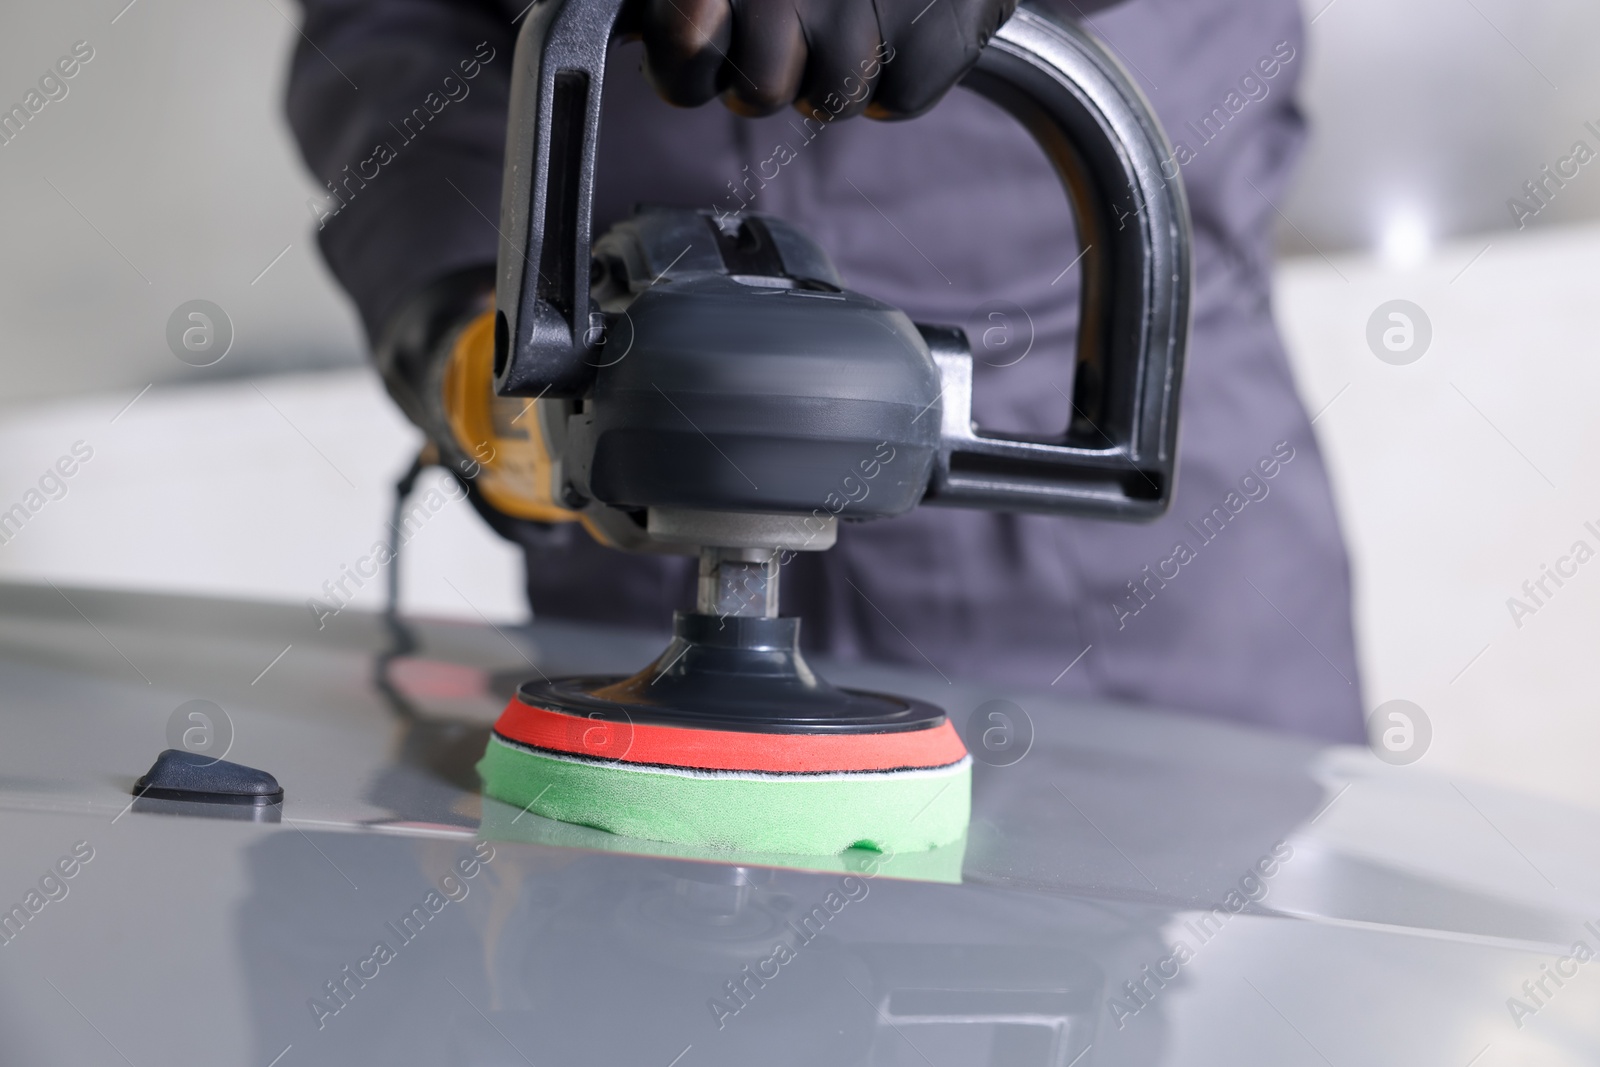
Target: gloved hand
point(830, 58)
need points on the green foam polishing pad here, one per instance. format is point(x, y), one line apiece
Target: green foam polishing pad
point(507, 822)
point(795, 794)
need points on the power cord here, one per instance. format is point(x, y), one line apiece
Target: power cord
point(402, 641)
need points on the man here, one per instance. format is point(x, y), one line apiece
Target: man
point(1236, 605)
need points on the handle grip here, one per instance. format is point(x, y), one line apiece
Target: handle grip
point(1115, 458)
point(542, 321)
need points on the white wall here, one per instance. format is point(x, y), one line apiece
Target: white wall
point(1434, 112)
point(262, 487)
point(1457, 477)
point(165, 175)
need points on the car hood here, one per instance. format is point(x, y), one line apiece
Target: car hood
point(1135, 888)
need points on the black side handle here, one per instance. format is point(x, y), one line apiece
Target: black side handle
point(1116, 457)
point(542, 322)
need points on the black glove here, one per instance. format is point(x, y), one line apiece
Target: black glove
point(830, 58)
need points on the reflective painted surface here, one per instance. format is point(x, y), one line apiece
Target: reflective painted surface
point(1136, 888)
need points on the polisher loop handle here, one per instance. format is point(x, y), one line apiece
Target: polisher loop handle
point(542, 327)
point(1117, 455)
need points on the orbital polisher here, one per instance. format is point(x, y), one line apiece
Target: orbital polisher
point(704, 384)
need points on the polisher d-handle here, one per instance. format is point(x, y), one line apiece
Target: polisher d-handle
point(1116, 456)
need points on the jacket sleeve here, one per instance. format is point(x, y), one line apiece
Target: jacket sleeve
point(399, 108)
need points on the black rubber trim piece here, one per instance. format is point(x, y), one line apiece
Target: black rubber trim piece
point(740, 708)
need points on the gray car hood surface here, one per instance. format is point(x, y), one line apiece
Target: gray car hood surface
point(1136, 888)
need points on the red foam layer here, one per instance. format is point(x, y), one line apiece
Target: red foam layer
point(725, 750)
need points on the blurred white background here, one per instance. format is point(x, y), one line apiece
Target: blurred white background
point(167, 174)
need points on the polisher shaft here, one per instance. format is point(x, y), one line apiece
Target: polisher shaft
point(740, 582)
